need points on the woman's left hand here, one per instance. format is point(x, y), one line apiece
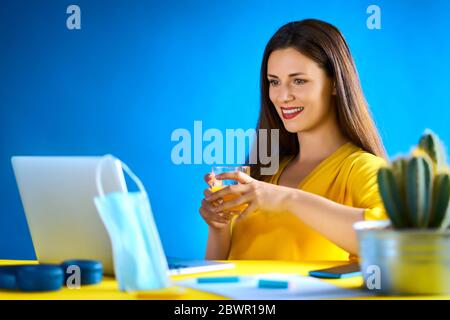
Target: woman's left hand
point(257, 194)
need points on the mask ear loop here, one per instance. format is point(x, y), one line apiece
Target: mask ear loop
point(136, 180)
point(161, 263)
point(98, 173)
point(126, 169)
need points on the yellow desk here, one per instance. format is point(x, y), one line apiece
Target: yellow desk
point(108, 289)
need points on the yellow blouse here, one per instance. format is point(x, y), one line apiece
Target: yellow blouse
point(348, 176)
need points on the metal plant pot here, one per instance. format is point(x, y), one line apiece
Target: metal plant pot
point(409, 261)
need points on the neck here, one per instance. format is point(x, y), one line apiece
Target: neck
point(319, 143)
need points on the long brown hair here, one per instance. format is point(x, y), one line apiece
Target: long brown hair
point(324, 44)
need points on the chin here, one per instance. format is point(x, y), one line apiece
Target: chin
point(293, 128)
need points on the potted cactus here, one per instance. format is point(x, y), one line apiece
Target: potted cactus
point(412, 250)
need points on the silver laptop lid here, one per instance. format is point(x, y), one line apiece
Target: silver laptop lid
point(57, 195)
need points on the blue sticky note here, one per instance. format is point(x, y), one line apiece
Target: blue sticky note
point(273, 284)
point(329, 275)
point(217, 279)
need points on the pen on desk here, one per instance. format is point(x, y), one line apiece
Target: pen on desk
point(217, 279)
point(273, 284)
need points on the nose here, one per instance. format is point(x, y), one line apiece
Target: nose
point(285, 95)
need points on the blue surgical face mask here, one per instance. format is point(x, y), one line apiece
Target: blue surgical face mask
point(139, 259)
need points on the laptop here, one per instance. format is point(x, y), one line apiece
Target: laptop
point(58, 193)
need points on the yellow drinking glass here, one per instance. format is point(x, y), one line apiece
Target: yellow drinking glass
point(220, 184)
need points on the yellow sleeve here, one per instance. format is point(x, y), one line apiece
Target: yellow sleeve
point(364, 186)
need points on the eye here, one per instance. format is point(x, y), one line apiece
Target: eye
point(273, 82)
point(300, 81)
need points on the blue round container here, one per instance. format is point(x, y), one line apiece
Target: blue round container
point(8, 277)
point(39, 277)
point(91, 271)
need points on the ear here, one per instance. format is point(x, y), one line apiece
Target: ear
point(334, 88)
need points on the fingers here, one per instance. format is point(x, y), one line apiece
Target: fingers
point(237, 189)
point(209, 207)
point(235, 175)
point(209, 178)
point(213, 209)
point(207, 192)
point(227, 205)
point(210, 213)
point(210, 217)
point(227, 215)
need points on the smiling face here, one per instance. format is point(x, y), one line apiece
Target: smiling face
point(300, 90)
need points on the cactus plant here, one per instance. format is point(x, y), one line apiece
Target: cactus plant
point(391, 194)
point(430, 144)
point(441, 208)
point(416, 190)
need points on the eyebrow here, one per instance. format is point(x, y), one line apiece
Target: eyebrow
point(291, 75)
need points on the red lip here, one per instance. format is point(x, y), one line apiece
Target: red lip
point(288, 116)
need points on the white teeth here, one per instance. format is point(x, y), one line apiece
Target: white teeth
point(293, 110)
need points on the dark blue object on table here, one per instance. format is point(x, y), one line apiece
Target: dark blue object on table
point(91, 271)
point(8, 277)
point(42, 277)
point(48, 277)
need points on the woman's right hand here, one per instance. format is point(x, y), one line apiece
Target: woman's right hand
point(216, 220)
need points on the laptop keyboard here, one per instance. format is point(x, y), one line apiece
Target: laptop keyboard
point(177, 266)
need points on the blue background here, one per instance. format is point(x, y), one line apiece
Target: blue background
point(137, 70)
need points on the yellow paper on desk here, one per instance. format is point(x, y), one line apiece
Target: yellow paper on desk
point(166, 293)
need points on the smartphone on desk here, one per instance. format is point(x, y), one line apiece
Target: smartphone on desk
point(339, 272)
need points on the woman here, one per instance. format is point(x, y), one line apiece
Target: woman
point(330, 152)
